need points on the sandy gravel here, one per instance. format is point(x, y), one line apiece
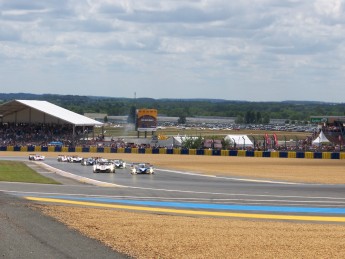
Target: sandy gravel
point(144, 235)
point(161, 236)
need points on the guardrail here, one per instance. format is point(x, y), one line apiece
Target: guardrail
point(179, 151)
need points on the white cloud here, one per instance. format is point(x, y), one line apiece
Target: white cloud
point(329, 8)
point(203, 48)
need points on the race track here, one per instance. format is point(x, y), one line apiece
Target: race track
point(177, 192)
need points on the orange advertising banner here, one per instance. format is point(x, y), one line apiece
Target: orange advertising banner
point(146, 120)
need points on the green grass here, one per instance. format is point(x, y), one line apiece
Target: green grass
point(11, 171)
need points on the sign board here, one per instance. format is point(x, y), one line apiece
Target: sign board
point(318, 119)
point(146, 120)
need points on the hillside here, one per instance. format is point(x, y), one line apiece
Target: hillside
point(245, 111)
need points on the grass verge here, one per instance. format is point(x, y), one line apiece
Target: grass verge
point(11, 171)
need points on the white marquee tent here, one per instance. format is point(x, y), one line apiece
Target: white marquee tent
point(239, 140)
point(321, 139)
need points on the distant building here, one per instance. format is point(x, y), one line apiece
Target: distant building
point(96, 116)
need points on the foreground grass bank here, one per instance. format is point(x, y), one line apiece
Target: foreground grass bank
point(11, 171)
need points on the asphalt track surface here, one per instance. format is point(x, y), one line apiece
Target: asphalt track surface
point(26, 233)
point(183, 193)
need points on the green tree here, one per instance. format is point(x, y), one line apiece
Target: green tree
point(266, 119)
point(132, 114)
point(239, 119)
point(192, 142)
point(226, 144)
point(258, 117)
point(182, 119)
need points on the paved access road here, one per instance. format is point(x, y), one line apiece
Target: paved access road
point(26, 233)
point(185, 193)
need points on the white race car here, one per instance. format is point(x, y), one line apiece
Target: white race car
point(104, 167)
point(142, 168)
point(119, 163)
point(62, 158)
point(36, 157)
point(74, 159)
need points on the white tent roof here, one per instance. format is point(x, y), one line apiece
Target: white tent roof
point(240, 140)
point(321, 139)
point(33, 111)
point(177, 140)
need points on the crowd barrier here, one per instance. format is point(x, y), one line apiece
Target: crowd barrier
point(179, 151)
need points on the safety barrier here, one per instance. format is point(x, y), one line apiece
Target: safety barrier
point(178, 151)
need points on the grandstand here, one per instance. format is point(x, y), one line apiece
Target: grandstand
point(41, 122)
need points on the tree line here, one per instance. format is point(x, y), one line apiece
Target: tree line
point(244, 111)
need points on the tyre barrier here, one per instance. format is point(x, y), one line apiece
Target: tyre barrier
point(178, 151)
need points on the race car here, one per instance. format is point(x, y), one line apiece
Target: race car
point(100, 160)
point(119, 163)
point(74, 159)
point(142, 168)
point(62, 158)
point(36, 157)
point(104, 167)
point(88, 161)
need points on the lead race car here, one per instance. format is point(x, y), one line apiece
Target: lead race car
point(142, 168)
point(36, 157)
point(104, 167)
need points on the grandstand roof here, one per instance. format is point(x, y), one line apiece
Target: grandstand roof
point(33, 111)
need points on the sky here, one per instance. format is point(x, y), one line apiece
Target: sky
point(251, 50)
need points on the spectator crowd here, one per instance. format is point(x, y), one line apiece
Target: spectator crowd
point(24, 134)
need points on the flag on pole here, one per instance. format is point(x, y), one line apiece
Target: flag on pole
point(268, 140)
point(275, 139)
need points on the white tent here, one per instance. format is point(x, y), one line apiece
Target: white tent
point(321, 139)
point(239, 140)
point(33, 111)
point(178, 140)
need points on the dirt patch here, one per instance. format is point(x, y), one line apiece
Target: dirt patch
point(162, 236)
point(328, 171)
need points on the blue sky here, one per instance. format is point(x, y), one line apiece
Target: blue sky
point(254, 50)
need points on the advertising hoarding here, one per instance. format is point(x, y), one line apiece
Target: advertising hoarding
point(146, 120)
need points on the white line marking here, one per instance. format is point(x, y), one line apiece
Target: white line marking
point(229, 178)
point(194, 192)
point(77, 177)
point(201, 199)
